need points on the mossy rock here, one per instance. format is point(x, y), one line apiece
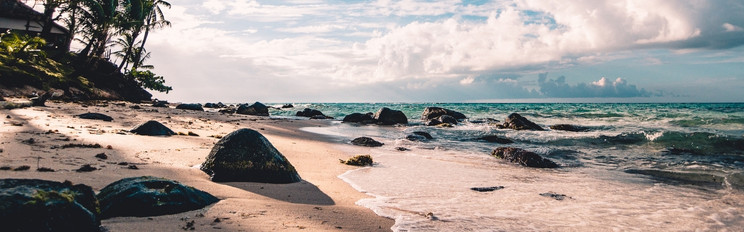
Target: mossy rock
point(150, 196)
point(41, 205)
point(359, 160)
point(246, 155)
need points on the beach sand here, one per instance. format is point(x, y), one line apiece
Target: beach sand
point(321, 202)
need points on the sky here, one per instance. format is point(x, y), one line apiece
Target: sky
point(452, 51)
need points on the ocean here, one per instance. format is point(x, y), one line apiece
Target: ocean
point(636, 167)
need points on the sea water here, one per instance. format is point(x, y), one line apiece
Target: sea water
point(677, 167)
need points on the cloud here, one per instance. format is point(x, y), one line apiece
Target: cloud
point(731, 28)
point(603, 88)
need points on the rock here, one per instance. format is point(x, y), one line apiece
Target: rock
point(402, 149)
point(422, 133)
point(419, 136)
point(40, 205)
point(444, 119)
point(517, 122)
point(311, 113)
point(286, 106)
point(41, 100)
point(214, 105)
point(360, 118)
point(496, 139)
point(158, 103)
point(359, 160)
point(96, 116)
point(101, 156)
point(693, 178)
point(366, 142)
point(736, 180)
point(228, 110)
point(486, 189)
point(150, 196)
point(435, 112)
point(197, 107)
point(568, 127)
point(257, 109)
point(556, 196)
point(246, 155)
point(152, 128)
point(386, 116)
point(523, 157)
point(86, 168)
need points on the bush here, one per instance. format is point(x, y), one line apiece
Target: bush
point(148, 80)
point(21, 47)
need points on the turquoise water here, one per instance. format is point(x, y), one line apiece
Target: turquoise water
point(638, 167)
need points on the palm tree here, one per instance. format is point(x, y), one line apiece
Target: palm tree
point(128, 42)
point(154, 19)
point(132, 21)
point(99, 18)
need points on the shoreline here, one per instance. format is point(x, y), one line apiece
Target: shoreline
point(322, 201)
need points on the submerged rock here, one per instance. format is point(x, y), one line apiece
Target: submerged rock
point(96, 116)
point(287, 106)
point(150, 196)
point(444, 119)
point(41, 205)
point(386, 116)
point(246, 155)
point(523, 157)
point(419, 136)
point(196, 106)
point(366, 142)
point(152, 128)
point(360, 118)
point(554, 195)
point(693, 178)
point(311, 113)
point(257, 109)
point(495, 139)
point(517, 122)
point(569, 127)
point(434, 112)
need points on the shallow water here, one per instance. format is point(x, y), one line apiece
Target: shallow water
point(639, 167)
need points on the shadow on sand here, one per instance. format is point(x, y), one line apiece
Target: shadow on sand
point(305, 192)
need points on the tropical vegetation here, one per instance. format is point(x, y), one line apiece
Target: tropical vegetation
point(102, 28)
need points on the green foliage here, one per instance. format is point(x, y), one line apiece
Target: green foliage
point(148, 80)
point(359, 160)
point(21, 47)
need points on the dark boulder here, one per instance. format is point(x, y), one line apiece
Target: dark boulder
point(287, 106)
point(517, 122)
point(214, 105)
point(40, 205)
point(246, 155)
point(435, 112)
point(228, 110)
point(162, 104)
point(96, 116)
point(152, 128)
point(360, 118)
point(569, 127)
point(386, 116)
point(523, 157)
point(366, 142)
point(150, 196)
point(257, 109)
point(444, 119)
point(196, 106)
point(311, 113)
point(495, 139)
point(419, 136)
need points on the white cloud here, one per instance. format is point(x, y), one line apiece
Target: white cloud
point(731, 28)
point(467, 80)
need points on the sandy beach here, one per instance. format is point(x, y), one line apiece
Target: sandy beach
point(35, 137)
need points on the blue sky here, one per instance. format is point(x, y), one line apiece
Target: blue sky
point(452, 51)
